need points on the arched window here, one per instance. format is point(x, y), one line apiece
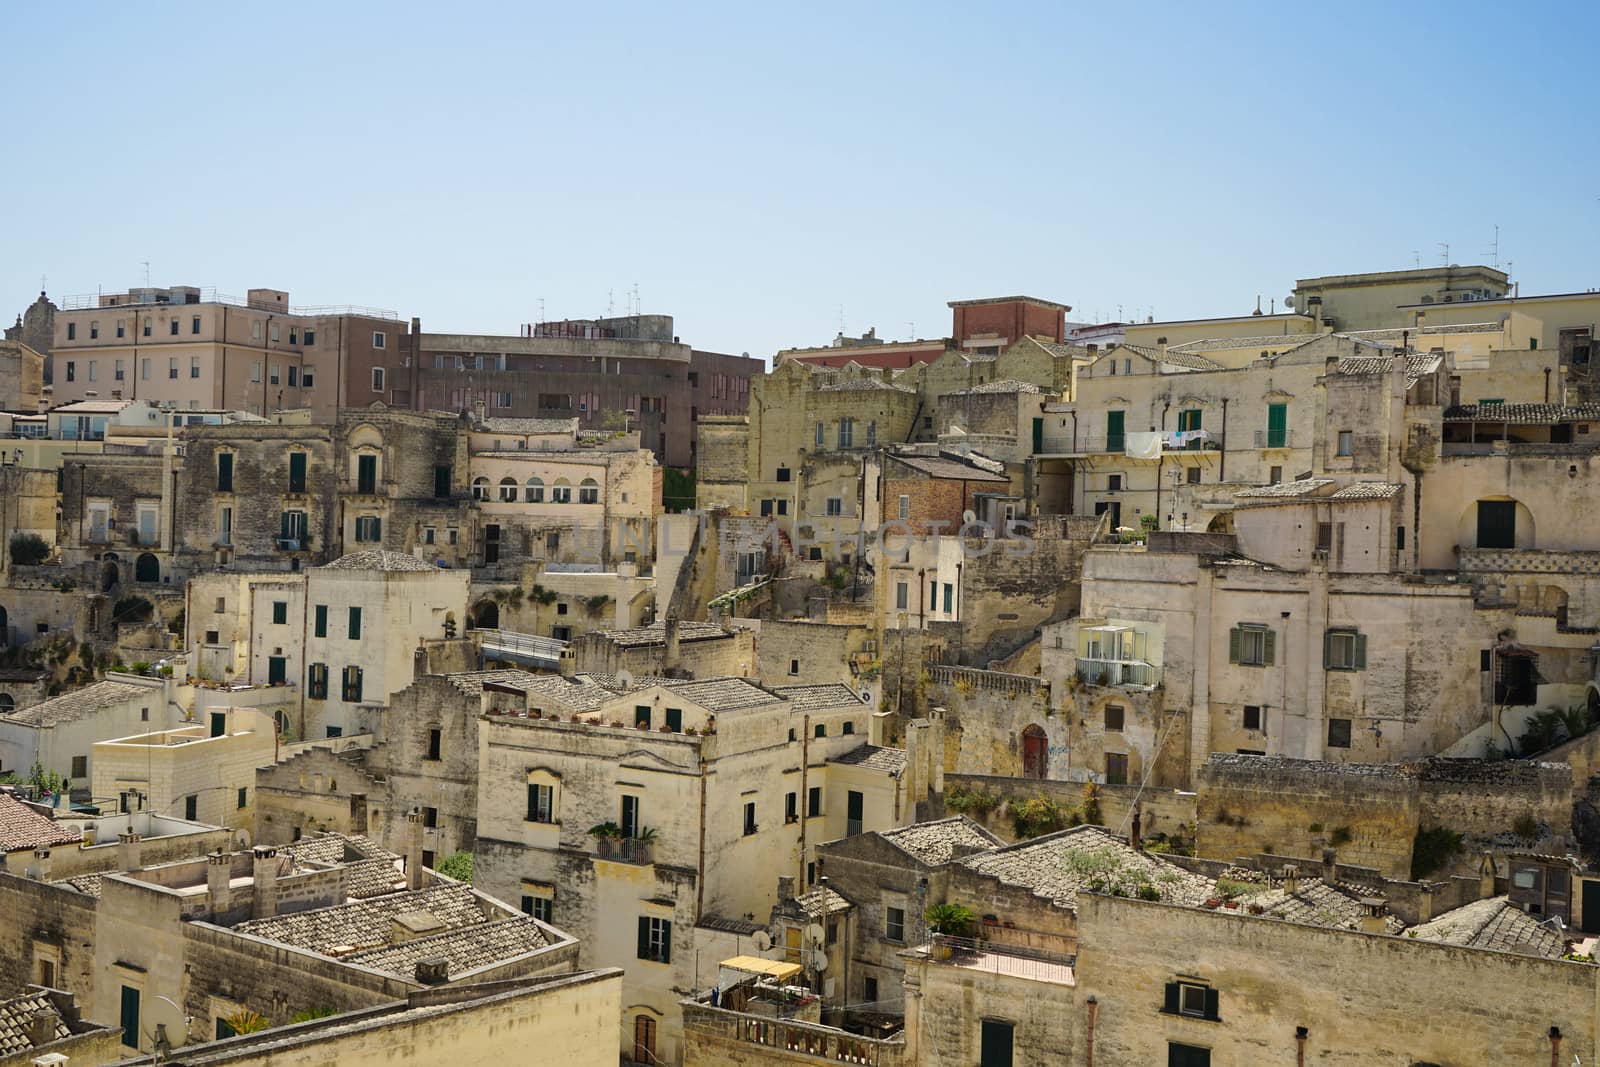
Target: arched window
point(561, 492)
point(535, 491)
point(508, 490)
point(480, 488)
point(146, 568)
point(588, 491)
point(6, 703)
point(486, 616)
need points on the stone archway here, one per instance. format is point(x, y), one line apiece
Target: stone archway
point(486, 616)
point(147, 568)
point(1035, 752)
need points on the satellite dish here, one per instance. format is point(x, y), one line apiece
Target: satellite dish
point(819, 961)
point(625, 679)
point(763, 940)
point(968, 518)
point(815, 934)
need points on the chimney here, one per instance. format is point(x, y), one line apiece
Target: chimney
point(1486, 876)
point(1133, 827)
point(1291, 877)
point(41, 864)
point(42, 1028)
point(1373, 920)
point(128, 850)
point(567, 662)
point(264, 872)
point(1093, 349)
point(219, 875)
point(414, 848)
point(477, 412)
point(671, 660)
point(785, 888)
point(1330, 865)
point(433, 970)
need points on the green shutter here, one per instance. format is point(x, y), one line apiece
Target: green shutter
point(355, 624)
point(666, 942)
point(1327, 650)
point(1233, 645)
point(644, 938)
point(1269, 644)
point(1277, 425)
point(1213, 1003)
point(283, 525)
point(1361, 652)
point(1114, 431)
point(1171, 1004)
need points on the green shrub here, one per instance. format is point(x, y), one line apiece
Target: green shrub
point(962, 801)
point(28, 549)
point(132, 609)
point(1339, 837)
point(1526, 827)
point(1432, 849)
point(1040, 815)
point(1227, 887)
point(1149, 892)
point(457, 865)
point(952, 919)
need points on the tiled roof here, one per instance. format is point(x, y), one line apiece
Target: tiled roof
point(950, 469)
point(21, 827)
point(583, 692)
point(1317, 903)
point(656, 634)
point(1417, 363)
point(726, 694)
point(331, 849)
point(935, 843)
point(80, 703)
point(379, 560)
point(1172, 357)
point(818, 697)
point(1284, 490)
point(1496, 924)
point(1060, 866)
point(1005, 385)
point(87, 884)
point(1532, 414)
point(742, 927)
point(1397, 333)
point(472, 682)
point(372, 878)
point(16, 1022)
point(527, 426)
point(864, 385)
point(1007, 300)
point(1367, 491)
point(874, 757)
point(821, 900)
point(471, 949)
point(1276, 340)
point(367, 924)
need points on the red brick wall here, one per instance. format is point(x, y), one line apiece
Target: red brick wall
point(932, 500)
point(1012, 319)
point(873, 356)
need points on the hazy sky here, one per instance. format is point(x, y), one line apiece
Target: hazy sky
point(753, 167)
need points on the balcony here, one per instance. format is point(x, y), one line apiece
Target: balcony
point(1121, 673)
point(1275, 439)
point(1012, 961)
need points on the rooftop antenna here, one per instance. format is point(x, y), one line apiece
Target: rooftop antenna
point(841, 320)
point(1444, 252)
point(911, 331)
point(611, 302)
point(541, 309)
point(1416, 257)
point(42, 279)
point(1494, 249)
point(146, 273)
point(638, 305)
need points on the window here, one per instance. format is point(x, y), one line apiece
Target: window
point(297, 472)
point(1116, 768)
point(1324, 537)
point(194, 366)
point(1251, 645)
point(147, 324)
point(352, 685)
point(1277, 425)
point(949, 598)
point(191, 807)
point(378, 339)
point(588, 491)
point(1194, 475)
point(750, 818)
point(255, 372)
point(814, 802)
point(355, 624)
point(272, 374)
point(172, 368)
point(819, 435)
point(1115, 437)
point(1114, 714)
point(869, 992)
point(194, 324)
point(847, 432)
point(294, 376)
point(1189, 420)
point(144, 369)
point(1252, 717)
point(317, 681)
point(1344, 650)
point(72, 371)
point(80, 766)
point(311, 339)
point(119, 373)
point(854, 812)
point(121, 328)
point(212, 637)
point(369, 529)
point(541, 802)
point(1180, 1055)
point(1113, 483)
point(367, 474)
point(835, 505)
point(1275, 476)
point(305, 375)
point(905, 506)
point(377, 379)
point(1192, 999)
point(173, 327)
point(540, 908)
point(630, 816)
point(1347, 443)
point(1338, 733)
point(319, 625)
point(655, 939)
point(783, 474)
point(434, 738)
point(72, 331)
point(791, 807)
point(1399, 538)
point(894, 924)
point(280, 612)
point(820, 730)
point(872, 434)
point(902, 595)
point(848, 729)
point(224, 472)
point(94, 370)
point(995, 1044)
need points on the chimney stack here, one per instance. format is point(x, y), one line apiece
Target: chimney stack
point(1291, 878)
point(433, 970)
point(785, 888)
point(1330, 865)
point(1133, 827)
point(477, 412)
point(41, 864)
point(671, 660)
point(1373, 920)
point(414, 848)
point(128, 850)
point(42, 1028)
point(1486, 876)
point(264, 872)
point(219, 875)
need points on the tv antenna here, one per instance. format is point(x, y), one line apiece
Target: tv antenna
point(841, 320)
point(611, 302)
point(911, 331)
point(1444, 252)
point(1416, 257)
point(541, 309)
point(1494, 249)
point(146, 263)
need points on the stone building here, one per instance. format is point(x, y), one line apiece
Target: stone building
point(194, 348)
point(669, 648)
point(699, 792)
point(44, 1026)
point(21, 377)
point(36, 328)
point(202, 772)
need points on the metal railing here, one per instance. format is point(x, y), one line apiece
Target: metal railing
point(1118, 672)
point(530, 646)
point(998, 958)
point(209, 295)
point(1274, 439)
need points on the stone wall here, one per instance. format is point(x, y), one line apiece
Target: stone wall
point(61, 919)
point(947, 1005)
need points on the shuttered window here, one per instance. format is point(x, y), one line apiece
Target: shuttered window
point(1251, 644)
point(1344, 650)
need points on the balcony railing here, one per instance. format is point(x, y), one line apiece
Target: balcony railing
point(996, 958)
point(1119, 672)
point(1274, 439)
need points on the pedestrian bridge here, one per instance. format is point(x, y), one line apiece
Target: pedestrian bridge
point(526, 650)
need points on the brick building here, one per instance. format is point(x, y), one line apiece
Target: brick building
point(984, 326)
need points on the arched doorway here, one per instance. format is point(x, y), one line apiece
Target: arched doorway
point(147, 568)
point(644, 1039)
point(7, 703)
point(5, 627)
point(108, 577)
point(1035, 752)
point(487, 616)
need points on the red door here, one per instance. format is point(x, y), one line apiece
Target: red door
point(1035, 753)
point(644, 1039)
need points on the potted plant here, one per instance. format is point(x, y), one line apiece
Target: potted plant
point(605, 835)
point(948, 920)
point(642, 843)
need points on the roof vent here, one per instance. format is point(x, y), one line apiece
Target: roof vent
point(433, 970)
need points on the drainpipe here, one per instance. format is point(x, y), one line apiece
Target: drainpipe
point(700, 869)
point(1300, 1035)
point(804, 803)
point(1094, 1009)
point(1555, 1046)
point(1222, 459)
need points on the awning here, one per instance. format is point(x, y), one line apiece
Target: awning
point(756, 965)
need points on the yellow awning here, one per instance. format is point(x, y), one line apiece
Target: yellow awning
point(756, 965)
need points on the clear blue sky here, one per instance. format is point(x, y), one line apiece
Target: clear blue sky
point(752, 167)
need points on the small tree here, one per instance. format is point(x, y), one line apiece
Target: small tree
point(28, 549)
point(954, 920)
point(245, 1021)
point(457, 865)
